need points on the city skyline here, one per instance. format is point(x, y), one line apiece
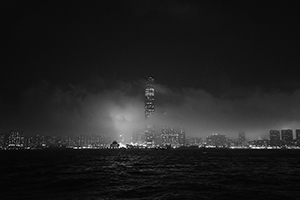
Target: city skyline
point(166, 138)
point(80, 68)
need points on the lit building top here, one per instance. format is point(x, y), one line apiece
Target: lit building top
point(149, 97)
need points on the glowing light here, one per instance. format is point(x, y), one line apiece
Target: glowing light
point(122, 145)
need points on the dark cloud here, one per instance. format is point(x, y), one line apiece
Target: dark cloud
point(179, 10)
point(56, 110)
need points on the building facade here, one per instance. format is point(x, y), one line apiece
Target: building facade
point(216, 140)
point(15, 140)
point(287, 136)
point(149, 97)
point(149, 110)
point(275, 138)
point(297, 134)
point(150, 135)
point(242, 139)
point(173, 137)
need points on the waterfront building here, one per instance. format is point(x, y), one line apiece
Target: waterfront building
point(181, 137)
point(150, 135)
point(30, 142)
point(297, 134)
point(15, 140)
point(68, 142)
point(2, 141)
point(262, 143)
point(242, 139)
point(275, 138)
point(287, 136)
point(216, 140)
point(173, 137)
point(298, 137)
point(193, 141)
point(232, 142)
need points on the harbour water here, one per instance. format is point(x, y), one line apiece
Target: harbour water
point(150, 174)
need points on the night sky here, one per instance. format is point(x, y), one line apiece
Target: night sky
point(72, 67)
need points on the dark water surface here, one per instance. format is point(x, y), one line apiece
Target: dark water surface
point(150, 174)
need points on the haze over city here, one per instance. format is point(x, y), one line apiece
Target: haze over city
point(80, 68)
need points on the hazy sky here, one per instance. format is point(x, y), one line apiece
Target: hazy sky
point(73, 67)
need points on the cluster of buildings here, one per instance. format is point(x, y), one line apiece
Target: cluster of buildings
point(168, 136)
point(174, 137)
point(278, 139)
point(220, 140)
point(284, 137)
point(177, 138)
point(17, 140)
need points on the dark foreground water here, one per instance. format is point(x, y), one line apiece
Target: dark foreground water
point(150, 174)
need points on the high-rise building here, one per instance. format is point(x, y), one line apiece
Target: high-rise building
point(173, 137)
point(181, 137)
point(2, 141)
point(150, 135)
point(193, 141)
point(297, 134)
point(168, 137)
point(216, 140)
point(149, 109)
point(15, 139)
point(149, 97)
point(275, 138)
point(242, 139)
point(298, 137)
point(287, 136)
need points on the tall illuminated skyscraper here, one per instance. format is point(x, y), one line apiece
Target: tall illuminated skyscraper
point(149, 97)
point(149, 109)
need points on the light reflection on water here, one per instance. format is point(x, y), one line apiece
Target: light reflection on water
point(150, 174)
